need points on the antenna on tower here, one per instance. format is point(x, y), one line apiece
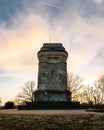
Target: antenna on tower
point(50, 38)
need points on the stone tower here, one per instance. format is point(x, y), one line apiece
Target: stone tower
point(52, 90)
point(52, 74)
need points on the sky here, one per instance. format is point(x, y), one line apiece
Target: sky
point(26, 24)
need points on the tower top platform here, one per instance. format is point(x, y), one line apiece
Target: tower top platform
point(52, 47)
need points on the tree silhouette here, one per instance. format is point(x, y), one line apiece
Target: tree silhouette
point(75, 83)
point(26, 93)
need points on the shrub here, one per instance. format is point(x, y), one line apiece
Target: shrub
point(9, 105)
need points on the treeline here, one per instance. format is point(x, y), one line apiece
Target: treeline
point(86, 94)
point(91, 94)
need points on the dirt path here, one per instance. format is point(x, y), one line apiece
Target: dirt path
point(46, 112)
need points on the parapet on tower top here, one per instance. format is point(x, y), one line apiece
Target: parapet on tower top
point(52, 47)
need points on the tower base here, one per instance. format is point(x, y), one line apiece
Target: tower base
point(52, 96)
point(49, 105)
point(51, 99)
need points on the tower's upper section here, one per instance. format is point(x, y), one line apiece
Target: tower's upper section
point(52, 50)
point(52, 47)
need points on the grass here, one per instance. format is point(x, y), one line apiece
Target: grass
point(52, 122)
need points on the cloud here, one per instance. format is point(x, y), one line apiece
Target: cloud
point(82, 39)
point(98, 1)
point(2, 71)
point(8, 9)
point(50, 5)
point(6, 78)
point(99, 58)
point(21, 41)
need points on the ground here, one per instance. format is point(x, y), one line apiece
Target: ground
point(46, 112)
point(50, 120)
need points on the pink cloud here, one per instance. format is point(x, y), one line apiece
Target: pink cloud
point(22, 41)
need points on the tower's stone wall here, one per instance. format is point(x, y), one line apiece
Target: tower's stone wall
point(52, 74)
point(52, 71)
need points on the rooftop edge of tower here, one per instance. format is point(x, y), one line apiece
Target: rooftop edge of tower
point(52, 47)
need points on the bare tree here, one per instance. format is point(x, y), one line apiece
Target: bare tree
point(95, 93)
point(75, 85)
point(99, 86)
point(26, 93)
point(0, 101)
point(89, 93)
